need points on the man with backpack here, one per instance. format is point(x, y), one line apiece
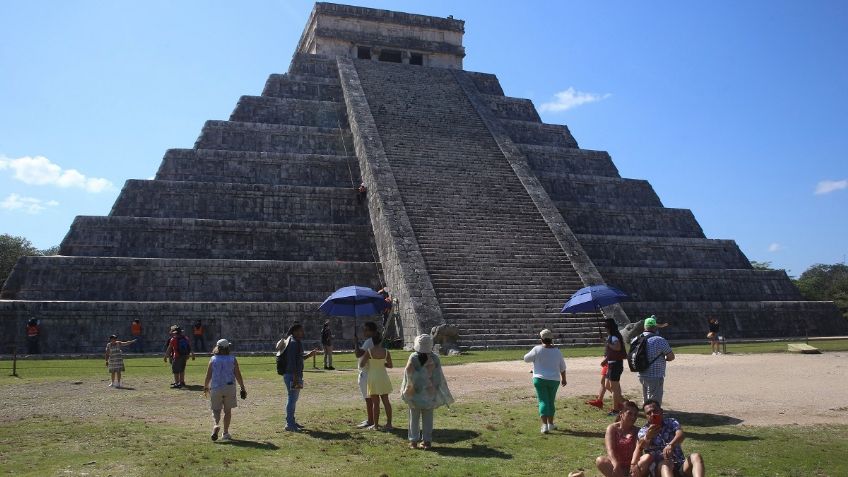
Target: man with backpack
point(179, 350)
point(648, 354)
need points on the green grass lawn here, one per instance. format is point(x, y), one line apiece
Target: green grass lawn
point(58, 418)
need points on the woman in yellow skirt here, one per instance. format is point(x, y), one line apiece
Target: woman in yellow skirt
point(376, 360)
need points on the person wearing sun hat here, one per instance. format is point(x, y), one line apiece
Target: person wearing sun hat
point(548, 375)
point(423, 389)
point(659, 352)
point(222, 373)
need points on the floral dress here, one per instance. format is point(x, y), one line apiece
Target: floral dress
point(116, 358)
point(424, 386)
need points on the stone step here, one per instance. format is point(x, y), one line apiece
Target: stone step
point(661, 252)
point(609, 191)
point(296, 112)
point(531, 132)
point(243, 167)
point(636, 221)
point(80, 326)
point(568, 160)
point(505, 107)
point(205, 200)
point(311, 64)
point(318, 89)
point(258, 137)
point(148, 237)
point(748, 319)
point(486, 83)
point(158, 279)
point(524, 343)
point(690, 284)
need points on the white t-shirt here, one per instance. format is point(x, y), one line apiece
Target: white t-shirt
point(368, 344)
point(548, 363)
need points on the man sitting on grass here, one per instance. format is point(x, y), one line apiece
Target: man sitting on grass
point(660, 441)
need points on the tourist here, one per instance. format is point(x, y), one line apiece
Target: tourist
point(198, 336)
point(598, 402)
point(361, 192)
point(661, 440)
point(115, 359)
point(369, 329)
point(327, 343)
point(548, 374)
point(387, 311)
point(620, 442)
point(136, 333)
point(615, 355)
point(376, 360)
point(222, 373)
point(178, 352)
point(33, 339)
point(714, 327)
point(659, 352)
point(423, 389)
point(291, 347)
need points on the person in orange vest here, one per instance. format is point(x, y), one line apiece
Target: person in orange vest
point(135, 331)
point(33, 342)
point(198, 340)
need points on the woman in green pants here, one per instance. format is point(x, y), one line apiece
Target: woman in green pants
point(548, 375)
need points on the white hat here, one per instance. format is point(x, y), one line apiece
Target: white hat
point(223, 343)
point(546, 334)
point(423, 344)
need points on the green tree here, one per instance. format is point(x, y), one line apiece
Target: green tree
point(761, 265)
point(826, 283)
point(12, 248)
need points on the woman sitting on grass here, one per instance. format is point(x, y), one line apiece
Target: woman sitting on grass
point(376, 360)
point(424, 388)
point(115, 359)
point(620, 440)
point(220, 385)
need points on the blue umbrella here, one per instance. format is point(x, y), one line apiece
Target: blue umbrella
point(592, 298)
point(353, 301)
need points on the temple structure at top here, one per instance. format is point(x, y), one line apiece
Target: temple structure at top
point(481, 219)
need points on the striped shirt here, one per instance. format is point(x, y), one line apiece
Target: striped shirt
point(657, 346)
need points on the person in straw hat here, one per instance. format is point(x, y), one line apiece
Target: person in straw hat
point(548, 375)
point(423, 389)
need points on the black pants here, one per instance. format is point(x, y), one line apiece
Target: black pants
point(199, 343)
point(33, 345)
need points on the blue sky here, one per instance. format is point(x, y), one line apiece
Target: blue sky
point(736, 110)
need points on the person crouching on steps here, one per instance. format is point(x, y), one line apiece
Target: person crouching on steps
point(292, 347)
point(115, 359)
point(424, 388)
point(222, 373)
point(548, 368)
point(376, 360)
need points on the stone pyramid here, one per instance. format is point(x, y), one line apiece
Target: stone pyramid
point(477, 215)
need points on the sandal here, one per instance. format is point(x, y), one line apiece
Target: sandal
point(413, 445)
point(427, 446)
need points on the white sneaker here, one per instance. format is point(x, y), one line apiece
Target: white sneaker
point(544, 428)
point(551, 426)
point(364, 424)
point(111, 385)
point(226, 437)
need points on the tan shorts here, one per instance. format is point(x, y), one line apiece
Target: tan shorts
point(223, 397)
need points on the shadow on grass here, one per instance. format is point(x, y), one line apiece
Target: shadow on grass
point(252, 444)
point(443, 436)
point(703, 419)
point(720, 437)
point(126, 388)
point(475, 450)
point(193, 387)
point(591, 434)
point(328, 436)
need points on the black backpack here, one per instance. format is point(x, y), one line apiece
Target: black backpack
point(282, 361)
point(637, 358)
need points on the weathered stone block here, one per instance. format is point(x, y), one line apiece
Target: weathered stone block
point(296, 112)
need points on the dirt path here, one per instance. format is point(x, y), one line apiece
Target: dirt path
point(755, 389)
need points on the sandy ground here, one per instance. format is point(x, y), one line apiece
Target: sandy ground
point(755, 389)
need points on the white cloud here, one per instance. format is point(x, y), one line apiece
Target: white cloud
point(571, 98)
point(828, 186)
point(775, 247)
point(30, 205)
point(39, 170)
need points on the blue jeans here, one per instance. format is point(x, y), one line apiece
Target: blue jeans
point(291, 405)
